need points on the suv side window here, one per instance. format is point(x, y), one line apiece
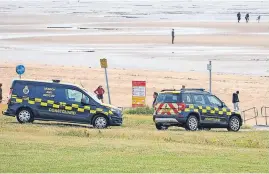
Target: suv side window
point(186, 98)
point(214, 100)
point(199, 99)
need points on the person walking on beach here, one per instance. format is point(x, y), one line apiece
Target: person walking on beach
point(238, 17)
point(155, 95)
point(247, 17)
point(100, 93)
point(259, 18)
point(1, 97)
point(173, 36)
point(183, 87)
point(236, 101)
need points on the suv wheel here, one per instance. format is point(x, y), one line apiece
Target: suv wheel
point(192, 123)
point(100, 122)
point(161, 127)
point(234, 124)
point(25, 116)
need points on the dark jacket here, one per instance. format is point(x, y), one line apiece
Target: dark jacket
point(238, 15)
point(173, 34)
point(235, 98)
point(1, 97)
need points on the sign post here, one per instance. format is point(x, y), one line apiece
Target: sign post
point(103, 63)
point(138, 93)
point(20, 69)
point(209, 68)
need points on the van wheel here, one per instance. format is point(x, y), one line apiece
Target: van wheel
point(234, 124)
point(161, 127)
point(100, 122)
point(25, 116)
point(192, 123)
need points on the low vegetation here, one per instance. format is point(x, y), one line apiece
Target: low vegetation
point(135, 147)
point(140, 111)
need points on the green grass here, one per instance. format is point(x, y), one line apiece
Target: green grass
point(134, 147)
point(140, 111)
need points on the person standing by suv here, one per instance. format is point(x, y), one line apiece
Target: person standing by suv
point(1, 97)
point(155, 95)
point(236, 101)
point(100, 93)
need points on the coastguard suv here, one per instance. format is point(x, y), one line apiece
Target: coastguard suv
point(193, 109)
point(36, 100)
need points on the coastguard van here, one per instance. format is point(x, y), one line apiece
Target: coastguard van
point(54, 101)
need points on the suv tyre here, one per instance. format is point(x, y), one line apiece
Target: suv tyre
point(192, 123)
point(234, 124)
point(161, 127)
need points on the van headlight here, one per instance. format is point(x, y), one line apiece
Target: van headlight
point(116, 111)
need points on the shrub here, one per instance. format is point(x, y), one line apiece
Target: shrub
point(140, 111)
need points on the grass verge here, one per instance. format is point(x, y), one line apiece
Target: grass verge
point(134, 147)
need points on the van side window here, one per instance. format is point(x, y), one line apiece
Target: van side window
point(73, 95)
point(199, 99)
point(186, 98)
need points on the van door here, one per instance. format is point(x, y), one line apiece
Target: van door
point(71, 107)
point(45, 100)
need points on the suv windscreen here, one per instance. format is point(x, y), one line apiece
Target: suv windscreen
point(168, 98)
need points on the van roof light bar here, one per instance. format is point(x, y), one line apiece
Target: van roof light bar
point(56, 81)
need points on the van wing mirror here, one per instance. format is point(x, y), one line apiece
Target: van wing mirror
point(84, 101)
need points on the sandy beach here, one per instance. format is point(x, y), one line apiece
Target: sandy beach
point(66, 39)
point(253, 89)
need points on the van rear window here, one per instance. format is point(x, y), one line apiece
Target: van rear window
point(168, 98)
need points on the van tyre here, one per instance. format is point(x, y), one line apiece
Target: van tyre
point(161, 127)
point(25, 116)
point(100, 122)
point(192, 123)
point(234, 124)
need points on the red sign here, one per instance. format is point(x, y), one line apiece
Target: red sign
point(138, 93)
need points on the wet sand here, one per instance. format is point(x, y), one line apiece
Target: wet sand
point(234, 48)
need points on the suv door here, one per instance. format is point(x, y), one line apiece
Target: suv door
point(220, 110)
point(201, 103)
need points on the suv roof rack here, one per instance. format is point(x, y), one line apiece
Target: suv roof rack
point(185, 89)
point(193, 89)
point(168, 90)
